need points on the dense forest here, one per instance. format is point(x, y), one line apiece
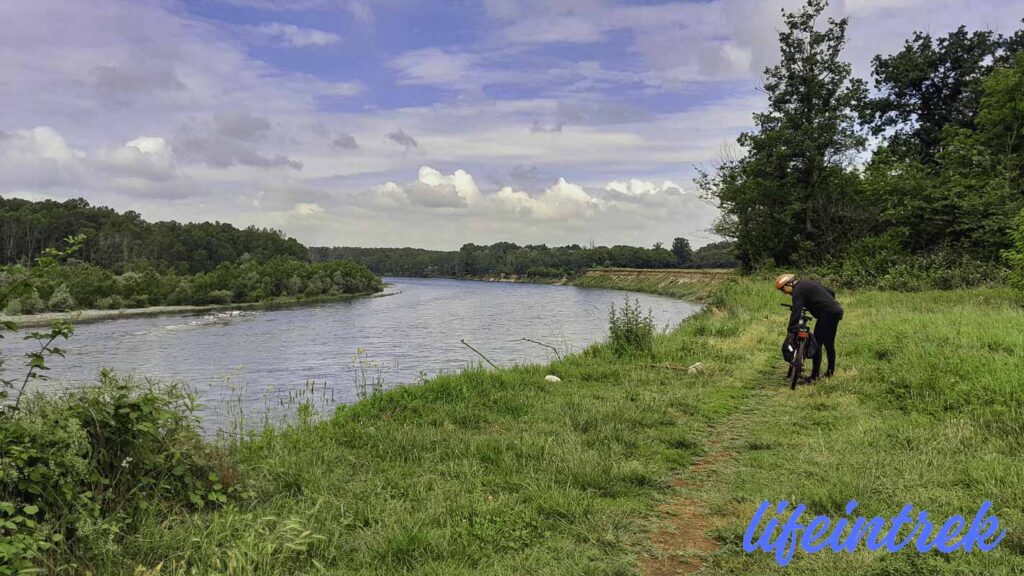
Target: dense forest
point(940, 198)
point(538, 261)
point(119, 241)
point(126, 262)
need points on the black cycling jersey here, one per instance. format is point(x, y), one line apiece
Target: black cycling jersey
point(817, 299)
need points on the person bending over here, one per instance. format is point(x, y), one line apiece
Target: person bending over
point(821, 303)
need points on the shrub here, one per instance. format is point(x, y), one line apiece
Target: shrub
point(880, 263)
point(631, 332)
point(61, 299)
point(28, 303)
point(13, 307)
point(1015, 256)
point(219, 297)
point(295, 286)
point(75, 468)
point(182, 294)
point(113, 302)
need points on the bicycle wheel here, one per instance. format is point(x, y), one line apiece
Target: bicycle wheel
point(797, 367)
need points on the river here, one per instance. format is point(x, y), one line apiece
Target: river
point(267, 361)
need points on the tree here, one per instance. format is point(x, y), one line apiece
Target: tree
point(683, 252)
point(984, 169)
point(792, 198)
point(929, 85)
point(968, 196)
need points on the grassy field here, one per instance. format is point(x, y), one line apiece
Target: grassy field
point(499, 472)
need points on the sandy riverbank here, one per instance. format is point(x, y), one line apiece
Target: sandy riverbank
point(86, 316)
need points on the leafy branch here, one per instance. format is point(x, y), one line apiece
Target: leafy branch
point(50, 258)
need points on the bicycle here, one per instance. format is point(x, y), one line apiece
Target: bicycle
point(803, 340)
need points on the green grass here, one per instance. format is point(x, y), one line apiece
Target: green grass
point(498, 472)
point(927, 409)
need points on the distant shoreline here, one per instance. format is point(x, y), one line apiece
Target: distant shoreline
point(87, 316)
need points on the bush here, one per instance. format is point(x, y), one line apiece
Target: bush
point(880, 263)
point(219, 297)
point(1015, 256)
point(114, 302)
point(182, 295)
point(28, 303)
point(13, 307)
point(61, 299)
point(74, 469)
point(631, 332)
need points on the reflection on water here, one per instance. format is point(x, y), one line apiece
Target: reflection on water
point(327, 353)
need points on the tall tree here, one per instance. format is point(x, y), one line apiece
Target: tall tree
point(683, 252)
point(790, 199)
point(931, 84)
point(966, 197)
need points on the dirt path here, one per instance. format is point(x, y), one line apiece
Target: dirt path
point(680, 536)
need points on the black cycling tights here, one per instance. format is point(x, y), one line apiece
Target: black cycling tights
point(825, 333)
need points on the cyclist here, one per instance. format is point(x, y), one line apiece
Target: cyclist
point(821, 303)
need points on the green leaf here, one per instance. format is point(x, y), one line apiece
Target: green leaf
point(31, 509)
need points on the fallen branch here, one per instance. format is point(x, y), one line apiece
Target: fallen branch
point(555, 350)
point(466, 344)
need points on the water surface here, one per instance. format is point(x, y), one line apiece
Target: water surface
point(265, 360)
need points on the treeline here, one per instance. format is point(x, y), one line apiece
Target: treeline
point(940, 196)
point(77, 286)
point(126, 262)
point(121, 241)
point(539, 261)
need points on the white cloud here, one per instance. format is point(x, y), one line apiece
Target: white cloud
point(432, 189)
point(433, 66)
point(438, 205)
point(38, 158)
point(460, 181)
point(561, 201)
point(147, 157)
point(307, 209)
point(291, 35)
point(637, 187)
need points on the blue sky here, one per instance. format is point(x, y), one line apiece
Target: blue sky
point(406, 122)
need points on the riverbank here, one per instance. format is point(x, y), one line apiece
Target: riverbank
point(87, 316)
point(683, 283)
point(688, 284)
point(627, 465)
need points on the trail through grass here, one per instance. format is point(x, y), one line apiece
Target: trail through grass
point(926, 409)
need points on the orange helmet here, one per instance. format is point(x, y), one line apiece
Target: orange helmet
point(783, 280)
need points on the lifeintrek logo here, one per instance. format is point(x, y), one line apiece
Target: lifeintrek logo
point(783, 537)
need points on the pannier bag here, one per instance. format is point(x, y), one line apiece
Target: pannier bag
point(790, 343)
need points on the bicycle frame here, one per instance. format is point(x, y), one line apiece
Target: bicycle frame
point(803, 335)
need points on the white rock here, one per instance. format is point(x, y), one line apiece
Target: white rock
point(697, 368)
point(552, 378)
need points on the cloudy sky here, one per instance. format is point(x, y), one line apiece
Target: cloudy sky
point(405, 122)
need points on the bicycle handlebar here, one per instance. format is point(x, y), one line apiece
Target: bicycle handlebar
point(804, 314)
